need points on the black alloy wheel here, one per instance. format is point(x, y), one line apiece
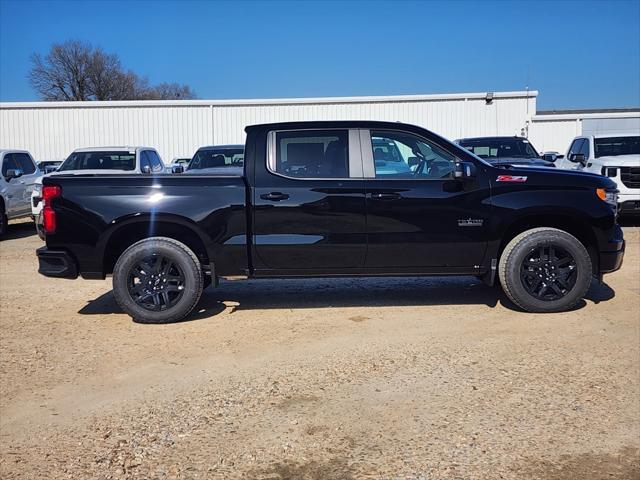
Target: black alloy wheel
point(548, 272)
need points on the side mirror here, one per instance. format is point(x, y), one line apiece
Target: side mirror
point(13, 173)
point(177, 169)
point(464, 170)
point(577, 158)
point(549, 157)
point(146, 169)
point(413, 161)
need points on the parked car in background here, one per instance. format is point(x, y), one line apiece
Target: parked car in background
point(217, 159)
point(49, 166)
point(616, 156)
point(313, 202)
point(103, 161)
point(19, 175)
point(498, 151)
point(184, 161)
point(551, 156)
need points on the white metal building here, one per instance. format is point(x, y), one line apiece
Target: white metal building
point(51, 130)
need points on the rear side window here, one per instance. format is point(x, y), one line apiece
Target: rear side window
point(24, 163)
point(99, 161)
point(311, 154)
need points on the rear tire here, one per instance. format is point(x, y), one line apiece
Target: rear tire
point(157, 280)
point(545, 270)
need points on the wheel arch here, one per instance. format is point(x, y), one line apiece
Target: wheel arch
point(131, 229)
point(574, 225)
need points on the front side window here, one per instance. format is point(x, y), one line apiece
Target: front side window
point(613, 146)
point(312, 154)
point(8, 164)
point(584, 149)
point(24, 163)
point(404, 155)
point(156, 163)
point(99, 161)
point(575, 146)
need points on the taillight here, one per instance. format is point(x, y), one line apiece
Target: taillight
point(49, 192)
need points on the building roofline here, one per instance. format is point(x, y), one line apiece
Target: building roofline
point(588, 110)
point(269, 101)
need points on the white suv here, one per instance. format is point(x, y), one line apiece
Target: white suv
point(614, 155)
point(19, 175)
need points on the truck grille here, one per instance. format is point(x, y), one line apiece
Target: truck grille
point(630, 176)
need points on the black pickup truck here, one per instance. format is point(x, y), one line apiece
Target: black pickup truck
point(342, 198)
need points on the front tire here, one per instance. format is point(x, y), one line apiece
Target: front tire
point(157, 280)
point(545, 270)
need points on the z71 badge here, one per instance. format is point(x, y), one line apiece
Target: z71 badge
point(511, 178)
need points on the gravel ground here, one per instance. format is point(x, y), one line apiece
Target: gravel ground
point(317, 379)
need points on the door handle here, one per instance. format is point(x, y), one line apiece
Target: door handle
point(274, 196)
point(386, 196)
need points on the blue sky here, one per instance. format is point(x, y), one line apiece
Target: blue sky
point(578, 54)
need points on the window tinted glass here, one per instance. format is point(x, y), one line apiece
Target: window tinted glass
point(217, 157)
point(612, 146)
point(312, 154)
point(404, 155)
point(575, 146)
point(99, 161)
point(24, 163)
point(584, 148)
point(494, 148)
point(156, 163)
point(8, 164)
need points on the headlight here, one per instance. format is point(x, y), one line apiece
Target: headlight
point(609, 196)
point(609, 171)
point(38, 190)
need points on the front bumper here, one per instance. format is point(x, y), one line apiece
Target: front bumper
point(628, 203)
point(56, 263)
point(611, 258)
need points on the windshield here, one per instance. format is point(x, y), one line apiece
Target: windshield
point(612, 146)
point(213, 158)
point(99, 161)
point(493, 149)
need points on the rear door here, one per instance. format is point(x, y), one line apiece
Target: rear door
point(419, 217)
point(309, 203)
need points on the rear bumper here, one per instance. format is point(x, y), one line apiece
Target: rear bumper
point(611, 258)
point(56, 263)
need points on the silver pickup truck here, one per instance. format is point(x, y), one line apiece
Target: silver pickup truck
point(19, 175)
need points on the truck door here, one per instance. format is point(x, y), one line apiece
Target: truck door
point(419, 217)
point(18, 190)
point(309, 203)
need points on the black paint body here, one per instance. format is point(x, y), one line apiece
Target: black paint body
point(327, 227)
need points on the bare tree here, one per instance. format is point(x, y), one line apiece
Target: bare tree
point(173, 91)
point(75, 70)
point(63, 73)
